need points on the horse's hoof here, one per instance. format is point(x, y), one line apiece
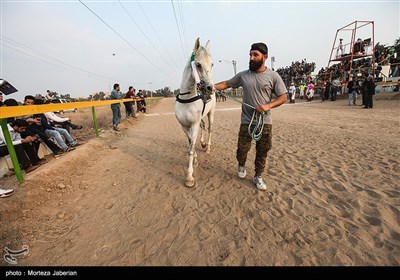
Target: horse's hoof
point(208, 151)
point(189, 183)
point(203, 144)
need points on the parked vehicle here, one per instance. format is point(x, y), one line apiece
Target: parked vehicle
point(61, 100)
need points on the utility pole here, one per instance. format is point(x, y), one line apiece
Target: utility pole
point(272, 62)
point(234, 68)
point(151, 92)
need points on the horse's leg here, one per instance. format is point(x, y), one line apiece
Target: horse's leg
point(210, 123)
point(203, 131)
point(193, 132)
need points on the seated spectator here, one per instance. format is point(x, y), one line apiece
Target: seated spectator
point(141, 104)
point(10, 102)
point(61, 122)
point(26, 154)
point(37, 129)
point(56, 132)
point(34, 129)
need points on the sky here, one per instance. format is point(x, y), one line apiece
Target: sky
point(82, 47)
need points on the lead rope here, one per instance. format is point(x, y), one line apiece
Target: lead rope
point(256, 132)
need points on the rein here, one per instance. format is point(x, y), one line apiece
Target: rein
point(256, 132)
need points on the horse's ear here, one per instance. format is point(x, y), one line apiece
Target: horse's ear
point(196, 45)
point(208, 45)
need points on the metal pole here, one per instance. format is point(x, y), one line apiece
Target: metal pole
point(11, 150)
point(373, 51)
point(151, 92)
point(234, 69)
point(234, 72)
point(95, 125)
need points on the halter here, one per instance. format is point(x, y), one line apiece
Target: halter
point(200, 85)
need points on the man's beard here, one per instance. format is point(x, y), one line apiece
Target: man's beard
point(255, 65)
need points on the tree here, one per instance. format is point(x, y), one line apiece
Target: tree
point(65, 96)
point(165, 92)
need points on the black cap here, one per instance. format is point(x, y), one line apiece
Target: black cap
point(261, 47)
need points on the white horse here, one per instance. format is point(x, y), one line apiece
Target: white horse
point(195, 101)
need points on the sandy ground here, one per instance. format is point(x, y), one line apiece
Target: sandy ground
point(333, 194)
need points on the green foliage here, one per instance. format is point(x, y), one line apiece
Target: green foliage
point(65, 96)
point(165, 92)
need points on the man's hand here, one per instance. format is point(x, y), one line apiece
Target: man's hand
point(263, 108)
point(28, 139)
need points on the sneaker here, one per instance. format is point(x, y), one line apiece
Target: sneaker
point(6, 192)
point(75, 144)
point(258, 181)
point(59, 153)
point(31, 168)
point(242, 172)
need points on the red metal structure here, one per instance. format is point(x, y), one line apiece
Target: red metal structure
point(354, 49)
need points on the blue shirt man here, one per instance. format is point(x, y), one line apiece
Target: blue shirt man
point(116, 107)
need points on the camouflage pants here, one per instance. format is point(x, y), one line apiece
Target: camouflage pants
point(262, 147)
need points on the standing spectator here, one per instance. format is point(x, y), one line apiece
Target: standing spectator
point(116, 107)
point(370, 92)
point(260, 97)
point(292, 93)
point(328, 88)
point(363, 90)
point(335, 89)
point(353, 90)
point(339, 49)
point(310, 91)
point(302, 88)
point(129, 109)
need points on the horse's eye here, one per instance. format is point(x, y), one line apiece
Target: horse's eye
point(212, 64)
point(198, 65)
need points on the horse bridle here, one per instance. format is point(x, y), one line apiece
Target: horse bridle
point(200, 86)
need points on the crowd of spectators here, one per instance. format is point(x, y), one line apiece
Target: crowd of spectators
point(30, 131)
point(296, 72)
point(384, 55)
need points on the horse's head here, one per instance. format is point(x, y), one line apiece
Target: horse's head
point(201, 64)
